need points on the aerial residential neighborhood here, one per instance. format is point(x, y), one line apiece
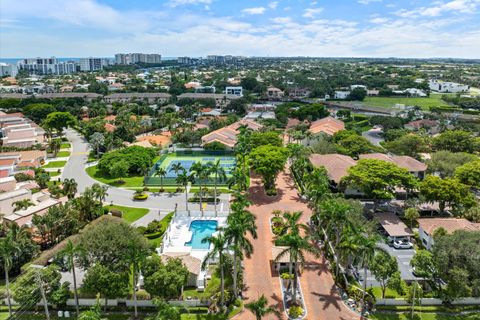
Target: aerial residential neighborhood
point(214, 160)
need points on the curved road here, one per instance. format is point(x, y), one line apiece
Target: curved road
point(160, 202)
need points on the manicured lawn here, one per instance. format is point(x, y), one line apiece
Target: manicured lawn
point(53, 173)
point(65, 145)
point(134, 181)
point(389, 293)
point(55, 164)
point(129, 214)
point(63, 154)
point(389, 102)
point(420, 316)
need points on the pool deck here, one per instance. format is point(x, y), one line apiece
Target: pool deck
point(179, 233)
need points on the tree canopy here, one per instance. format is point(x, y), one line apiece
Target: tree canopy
point(446, 162)
point(138, 159)
point(448, 192)
point(59, 121)
point(268, 161)
point(164, 279)
point(378, 179)
point(469, 174)
point(455, 141)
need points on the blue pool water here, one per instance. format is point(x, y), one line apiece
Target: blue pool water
point(200, 230)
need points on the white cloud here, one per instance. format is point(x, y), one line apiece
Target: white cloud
point(311, 12)
point(379, 20)
point(254, 10)
point(273, 5)
point(439, 8)
point(281, 20)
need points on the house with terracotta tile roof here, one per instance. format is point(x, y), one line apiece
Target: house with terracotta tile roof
point(327, 125)
point(428, 226)
point(228, 135)
point(337, 165)
point(415, 167)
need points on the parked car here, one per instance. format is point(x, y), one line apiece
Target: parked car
point(402, 244)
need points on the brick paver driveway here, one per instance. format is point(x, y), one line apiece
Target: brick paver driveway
point(316, 281)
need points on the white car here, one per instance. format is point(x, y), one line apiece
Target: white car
point(402, 244)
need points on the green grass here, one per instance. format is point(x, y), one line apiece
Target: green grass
point(389, 293)
point(133, 181)
point(419, 316)
point(55, 164)
point(63, 154)
point(53, 173)
point(129, 214)
point(434, 100)
point(65, 145)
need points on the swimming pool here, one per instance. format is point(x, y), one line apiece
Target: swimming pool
point(200, 230)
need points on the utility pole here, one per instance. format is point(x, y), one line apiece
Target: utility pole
point(42, 292)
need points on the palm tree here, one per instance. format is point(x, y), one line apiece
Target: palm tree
point(260, 307)
point(291, 222)
point(22, 204)
point(184, 179)
point(219, 247)
point(239, 223)
point(367, 246)
point(201, 172)
point(71, 252)
point(297, 246)
point(54, 145)
point(218, 171)
point(135, 256)
point(177, 167)
point(8, 248)
point(161, 173)
point(99, 192)
point(70, 188)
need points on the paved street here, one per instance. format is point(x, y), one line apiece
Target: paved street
point(374, 136)
point(165, 202)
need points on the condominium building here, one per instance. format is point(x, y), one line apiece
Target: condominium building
point(42, 66)
point(236, 91)
point(8, 70)
point(92, 64)
point(132, 58)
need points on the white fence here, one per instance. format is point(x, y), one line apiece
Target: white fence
point(427, 302)
point(198, 213)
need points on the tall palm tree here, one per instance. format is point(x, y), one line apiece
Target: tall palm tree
point(201, 172)
point(22, 204)
point(367, 246)
point(219, 173)
point(177, 167)
point(8, 249)
point(71, 252)
point(297, 246)
point(135, 256)
point(239, 223)
point(292, 222)
point(260, 307)
point(161, 173)
point(70, 188)
point(219, 247)
point(54, 145)
point(184, 179)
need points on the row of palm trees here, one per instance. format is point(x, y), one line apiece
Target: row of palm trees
point(200, 172)
point(233, 239)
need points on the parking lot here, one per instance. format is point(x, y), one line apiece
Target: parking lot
point(403, 258)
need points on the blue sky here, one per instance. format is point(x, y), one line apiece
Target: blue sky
point(343, 28)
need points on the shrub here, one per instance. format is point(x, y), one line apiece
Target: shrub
point(20, 177)
point(143, 295)
point(295, 312)
point(271, 192)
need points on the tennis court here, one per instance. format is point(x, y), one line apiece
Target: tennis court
point(170, 161)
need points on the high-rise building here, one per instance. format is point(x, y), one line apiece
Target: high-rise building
point(92, 64)
point(8, 70)
point(43, 66)
point(132, 58)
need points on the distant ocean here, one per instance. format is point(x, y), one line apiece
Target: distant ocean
point(15, 60)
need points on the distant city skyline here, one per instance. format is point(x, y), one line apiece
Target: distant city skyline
point(344, 28)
